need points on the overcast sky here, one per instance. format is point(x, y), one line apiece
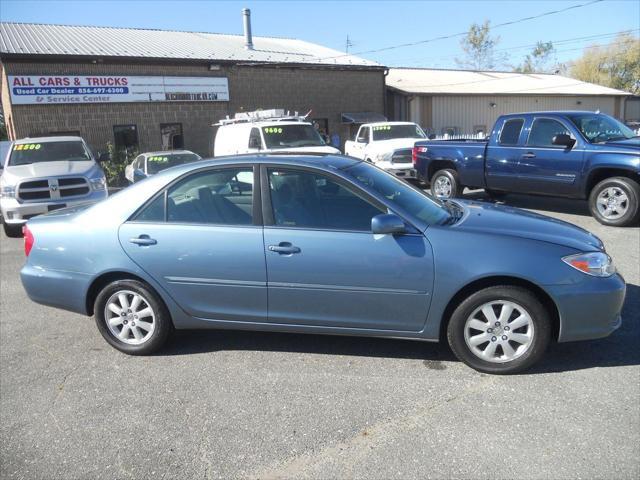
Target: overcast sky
point(369, 24)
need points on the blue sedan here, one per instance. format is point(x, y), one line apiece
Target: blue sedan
point(325, 245)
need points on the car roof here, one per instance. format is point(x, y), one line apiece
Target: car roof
point(555, 112)
point(166, 152)
point(323, 161)
point(48, 139)
point(264, 123)
point(374, 124)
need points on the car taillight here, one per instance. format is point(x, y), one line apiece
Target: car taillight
point(414, 154)
point(28, 240)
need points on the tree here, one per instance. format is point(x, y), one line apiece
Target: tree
point(479, 48)
point(616, 65)
point(538, 59)
point(3, 127)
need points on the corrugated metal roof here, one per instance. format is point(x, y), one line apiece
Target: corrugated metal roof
point(465, 82)
point(44, 39)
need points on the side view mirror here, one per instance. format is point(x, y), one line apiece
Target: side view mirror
point(563, 140)
point(138, 175)
point(104, 157)
point(432, 136)
point(387, 223)
point(254, 143)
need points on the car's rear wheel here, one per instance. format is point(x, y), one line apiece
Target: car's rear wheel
point(445, 184)
point(616, 202)
point(12, 230)
point(132, 318)
point(500, 330)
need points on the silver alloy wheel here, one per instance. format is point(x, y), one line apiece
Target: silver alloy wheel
point(129, 317)
point(442, 187)
point(612, 203)
point(499, 331)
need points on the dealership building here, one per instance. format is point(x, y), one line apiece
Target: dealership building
point(460, 102)
point(144, 90)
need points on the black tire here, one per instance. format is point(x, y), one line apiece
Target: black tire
point(540, 319)
point(450, 176)
point(163, 324)
point(630, 188)
point(495, 194)
point(12, 230)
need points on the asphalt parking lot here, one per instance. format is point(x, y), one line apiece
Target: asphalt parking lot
point(256, 405)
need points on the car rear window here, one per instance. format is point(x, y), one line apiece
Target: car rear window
point(36, 152)
point(511, 132)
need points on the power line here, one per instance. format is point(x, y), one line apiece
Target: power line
point(554, 42)
point(459, 34)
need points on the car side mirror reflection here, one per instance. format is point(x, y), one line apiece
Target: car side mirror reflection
point(104, 157)
point(564, 140)
point(387, 223)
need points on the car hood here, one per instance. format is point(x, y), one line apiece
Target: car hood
point(632, 143)
point(393, 144)
point(324, 149)
point(49, 169)
point(503, 220)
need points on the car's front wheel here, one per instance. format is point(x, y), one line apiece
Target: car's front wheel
point(132, 318)
point(500, 330)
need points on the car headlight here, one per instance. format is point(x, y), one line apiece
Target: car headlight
point(98, 184)
point(7, 191)
point(597, 264)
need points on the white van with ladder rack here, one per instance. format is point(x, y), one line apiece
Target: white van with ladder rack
point(266, 131)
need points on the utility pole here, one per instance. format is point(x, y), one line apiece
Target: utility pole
point(348, 44)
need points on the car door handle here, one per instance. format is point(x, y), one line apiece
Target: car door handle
point(529, 155)
point(284, 248)
point(143, 240)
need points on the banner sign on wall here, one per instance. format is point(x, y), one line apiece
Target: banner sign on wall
point(55, 89)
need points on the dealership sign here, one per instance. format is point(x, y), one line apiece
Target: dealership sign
point(52, 89)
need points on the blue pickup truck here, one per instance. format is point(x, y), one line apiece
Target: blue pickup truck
point(569, 154)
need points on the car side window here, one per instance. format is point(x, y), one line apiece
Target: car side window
point(308, 200)
point(218, 197)
point(254, 138)
point(363, 135)
point(511, 132)
point(543, 130)
point(153, 212)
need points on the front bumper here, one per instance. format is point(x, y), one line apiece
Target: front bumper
point(15, 212)
point(590, 310)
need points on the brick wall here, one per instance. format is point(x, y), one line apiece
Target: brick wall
point(327, 92)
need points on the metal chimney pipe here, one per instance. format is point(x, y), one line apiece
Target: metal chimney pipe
point(248, 39)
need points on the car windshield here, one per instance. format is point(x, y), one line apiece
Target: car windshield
point(156, 163)
point(69, 151)
point(598, 128)
point(389, 132)
point(288, 136)
point(410, 199)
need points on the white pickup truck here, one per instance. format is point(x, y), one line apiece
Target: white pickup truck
point(388, 145)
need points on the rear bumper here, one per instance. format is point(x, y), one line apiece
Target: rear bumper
point(595, 312)
point(54, 288)
point(14, 212)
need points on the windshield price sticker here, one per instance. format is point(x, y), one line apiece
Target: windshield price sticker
point(28, 146)
point(159, 159)
point(382, 127)
point(273, 130)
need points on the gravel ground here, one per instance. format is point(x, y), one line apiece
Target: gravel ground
point(256, 405)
